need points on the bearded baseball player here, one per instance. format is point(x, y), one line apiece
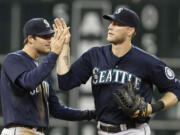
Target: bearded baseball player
point(123, 76)
point(27, 95)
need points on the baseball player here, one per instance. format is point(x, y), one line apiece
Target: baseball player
point(26, 93)
point(114, 65)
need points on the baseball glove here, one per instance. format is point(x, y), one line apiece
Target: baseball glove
point(129, 102)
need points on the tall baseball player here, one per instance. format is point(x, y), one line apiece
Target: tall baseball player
point(122, 79)
point(26, 93)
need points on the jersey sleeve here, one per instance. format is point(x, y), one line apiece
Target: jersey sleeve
point(61, 111)
point(78, 74)
point(32, 78)
point(24, 76)
point(164, 78)
point(13, 66)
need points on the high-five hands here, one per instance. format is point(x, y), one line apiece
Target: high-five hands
point(68, 35)
point(61, 36)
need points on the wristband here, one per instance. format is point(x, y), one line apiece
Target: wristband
point(158, 106)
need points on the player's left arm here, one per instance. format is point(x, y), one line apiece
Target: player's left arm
point(60, 111)
point(135, 106)
point(167, 101)
point(165, 80)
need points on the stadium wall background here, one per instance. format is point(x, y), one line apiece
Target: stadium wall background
point(159, 34)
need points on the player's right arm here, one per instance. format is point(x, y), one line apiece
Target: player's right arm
point(31, 79)
point(71, 76)
point(78, 73)
point(63, 63)
point(27, 77)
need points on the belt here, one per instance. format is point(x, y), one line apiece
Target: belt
point(115, 128)
point(39, 129)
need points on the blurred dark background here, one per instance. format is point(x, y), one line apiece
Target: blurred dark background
point(159, 34)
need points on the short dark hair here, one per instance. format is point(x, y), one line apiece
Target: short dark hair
point(26, 39)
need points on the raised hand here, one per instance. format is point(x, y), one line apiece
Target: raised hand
point(68, 35)
point(60, 35)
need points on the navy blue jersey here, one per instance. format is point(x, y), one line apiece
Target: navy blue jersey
point(108, 72)
point(27, 96)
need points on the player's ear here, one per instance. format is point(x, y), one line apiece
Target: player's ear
point(131, 31)
point(30, 39)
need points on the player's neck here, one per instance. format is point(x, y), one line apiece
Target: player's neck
point(31, 52)
point(120, 50)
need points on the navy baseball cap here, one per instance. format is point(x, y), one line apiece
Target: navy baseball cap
point(124, 16)
point(37, 26)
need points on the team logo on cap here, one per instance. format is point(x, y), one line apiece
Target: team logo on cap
point(169, 73)
point(46, 23)
point(119, 10)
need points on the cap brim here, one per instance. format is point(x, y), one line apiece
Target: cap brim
point(109, 17)
point(112, 17)
point(50, 32)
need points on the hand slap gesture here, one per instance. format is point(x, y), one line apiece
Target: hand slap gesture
point(60, 35)
point(68, 35)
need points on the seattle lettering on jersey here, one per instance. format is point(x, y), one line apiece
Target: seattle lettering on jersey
point(45, 86)
point(114, 76)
